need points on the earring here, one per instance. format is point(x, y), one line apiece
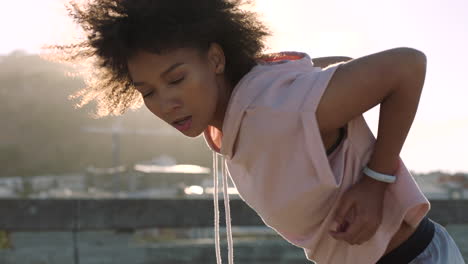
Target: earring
point(220, 69)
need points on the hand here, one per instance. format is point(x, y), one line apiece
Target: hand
point(359, 212)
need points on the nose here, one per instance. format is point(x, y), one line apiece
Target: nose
point(170, 105)
point(165, 104)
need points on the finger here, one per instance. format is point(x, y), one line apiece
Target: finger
point(371, 230)
point(348, 235)
point(369, 227)
point(365, 236)
point(338, 234)
point(366, 228)
point(361, 237)
point(340, 227)
point(343, 209)
point(355, 228)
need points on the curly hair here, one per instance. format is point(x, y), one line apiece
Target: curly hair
point(116, 29)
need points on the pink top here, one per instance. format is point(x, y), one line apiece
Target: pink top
point(275, 156)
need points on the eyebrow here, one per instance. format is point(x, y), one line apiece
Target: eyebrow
point(171, 68)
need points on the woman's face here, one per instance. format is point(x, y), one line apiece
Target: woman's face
point(183, 87)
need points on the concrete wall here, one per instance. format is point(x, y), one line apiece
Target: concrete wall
point(110, 231)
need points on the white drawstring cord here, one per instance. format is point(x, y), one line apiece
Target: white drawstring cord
point(216, 208)
point(227, 210)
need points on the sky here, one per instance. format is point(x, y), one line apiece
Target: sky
point(438, 139)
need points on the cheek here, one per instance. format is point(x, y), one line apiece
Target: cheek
point(210, 89)
point(202, 91)
point(152, 107)
point(207, 96)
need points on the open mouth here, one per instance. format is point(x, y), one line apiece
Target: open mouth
point(183, 124)
point(181, 120)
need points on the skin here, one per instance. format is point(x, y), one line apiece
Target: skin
point(196, 88)
point(368, 187)
point(394, 79)
point(404, 231)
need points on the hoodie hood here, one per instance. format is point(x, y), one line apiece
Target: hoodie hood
point(223, 142)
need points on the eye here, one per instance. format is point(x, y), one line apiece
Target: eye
point(177, 81)
point(148, 94)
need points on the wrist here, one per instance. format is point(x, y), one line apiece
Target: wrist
point(374, 183)
point(385, 165)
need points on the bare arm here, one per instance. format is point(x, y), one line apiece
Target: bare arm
point(324, 62)
point(394, 79)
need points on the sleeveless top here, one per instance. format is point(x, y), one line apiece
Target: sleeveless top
point(274, 154)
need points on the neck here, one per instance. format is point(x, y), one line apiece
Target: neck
point(225, 90)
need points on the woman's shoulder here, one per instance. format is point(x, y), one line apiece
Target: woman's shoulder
point(280, 81)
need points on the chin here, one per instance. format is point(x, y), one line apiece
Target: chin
point(192, 133)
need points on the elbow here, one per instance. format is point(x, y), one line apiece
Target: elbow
point(420, 66)
point(420, 59)
point(414, 64)
point(414, 56)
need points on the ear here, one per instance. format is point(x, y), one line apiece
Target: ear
point(216, 58)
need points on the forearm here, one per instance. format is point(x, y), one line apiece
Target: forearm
point(397, 112)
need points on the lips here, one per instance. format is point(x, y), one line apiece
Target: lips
point(180, 120)
point(183, 124)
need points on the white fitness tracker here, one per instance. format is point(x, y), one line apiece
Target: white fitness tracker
point(379, 176)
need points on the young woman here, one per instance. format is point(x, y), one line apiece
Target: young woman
point(289, 127)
